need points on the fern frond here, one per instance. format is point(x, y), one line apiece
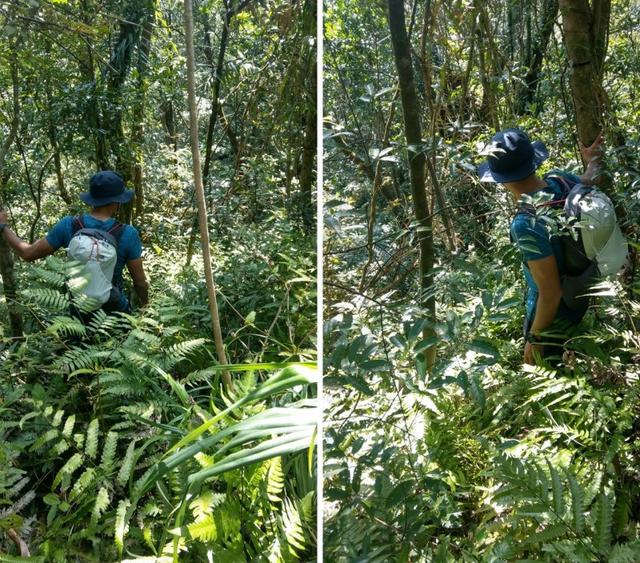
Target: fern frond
point(64, 475)
point(121, 525)
point(292, 525)
point(275, 480)
point(46, 437)
point(204, 530)
point(109, 451)
point(577, 502)
point(127, 465)
point(557, 490)
point(57, 418)
point(82, 483)
point(91, 443)
point(68, 425)
point(66, 326)
point(602, 520)
point(205, 504)
point(101, 504)
point(48, 298)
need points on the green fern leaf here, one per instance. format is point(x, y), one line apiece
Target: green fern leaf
point(91, 443)
point(556, 487)
point(68, 425)
point(127, 465)
point(547, 535)
point(204, 460)
point(204, 504)
point(109, 451)
point(46, 437)
point(292, 525)
point(101, 504)
point(67, 470)
point(83, 482)
point(61, 447)
point(204, 530)
point(57, 419)
point(577, 499)
point(121, 525)
point(625, 553)
point(602, 519)
point(275, 480)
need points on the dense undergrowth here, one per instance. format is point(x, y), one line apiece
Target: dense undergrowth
point(105, 451)
point(481, 459)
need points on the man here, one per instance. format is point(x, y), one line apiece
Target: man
point(106, 193)
point(513, 161)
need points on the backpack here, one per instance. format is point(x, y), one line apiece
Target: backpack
point(97, 251)
point(594, 246)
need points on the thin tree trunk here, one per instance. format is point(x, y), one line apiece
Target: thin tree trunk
point(197, 179)
point(7, 271)
point(527, 92)
point(307, 175)
point(92, 114)
point(377, 183)
point(137, 132)
point(413, 134)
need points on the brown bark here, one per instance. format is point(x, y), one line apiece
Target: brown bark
point(307, 167)
point(197, 179)
point(585, 41)
point(413, 135)
point(7, 271)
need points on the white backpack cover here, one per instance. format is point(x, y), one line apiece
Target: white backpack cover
point(602, 238)
point(96, 251)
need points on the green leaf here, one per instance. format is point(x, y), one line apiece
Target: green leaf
point(121, 525)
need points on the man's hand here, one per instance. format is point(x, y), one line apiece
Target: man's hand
point(593, 152)
point(532, 352)
point(140, 284)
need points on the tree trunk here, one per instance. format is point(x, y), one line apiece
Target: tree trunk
point(7, 271)
point(92, 114)
point(527, 92)
point(413, 134)
point(307, 167)
point(585, 38)
point(137, 131)
point(197, 179)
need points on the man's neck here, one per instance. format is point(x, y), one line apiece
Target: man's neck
point(101, 214)
point(526, 186)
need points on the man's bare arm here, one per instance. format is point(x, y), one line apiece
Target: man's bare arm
point(26, 251)
point(140, 284)
point(545, 274)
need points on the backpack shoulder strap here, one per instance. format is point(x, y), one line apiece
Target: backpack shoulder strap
point(116, 231)
point(76, 225)
point(566, 183)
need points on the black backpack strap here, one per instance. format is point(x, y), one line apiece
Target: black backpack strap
point(76, 225)
point(116, 231)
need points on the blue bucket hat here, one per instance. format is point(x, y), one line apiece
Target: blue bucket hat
point(106, 187)
point(511, 157)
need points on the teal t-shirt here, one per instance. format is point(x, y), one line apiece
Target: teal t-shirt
point(531, 236)
point(129, 245)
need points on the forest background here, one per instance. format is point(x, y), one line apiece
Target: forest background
point(98, 458)
point(439, 444)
